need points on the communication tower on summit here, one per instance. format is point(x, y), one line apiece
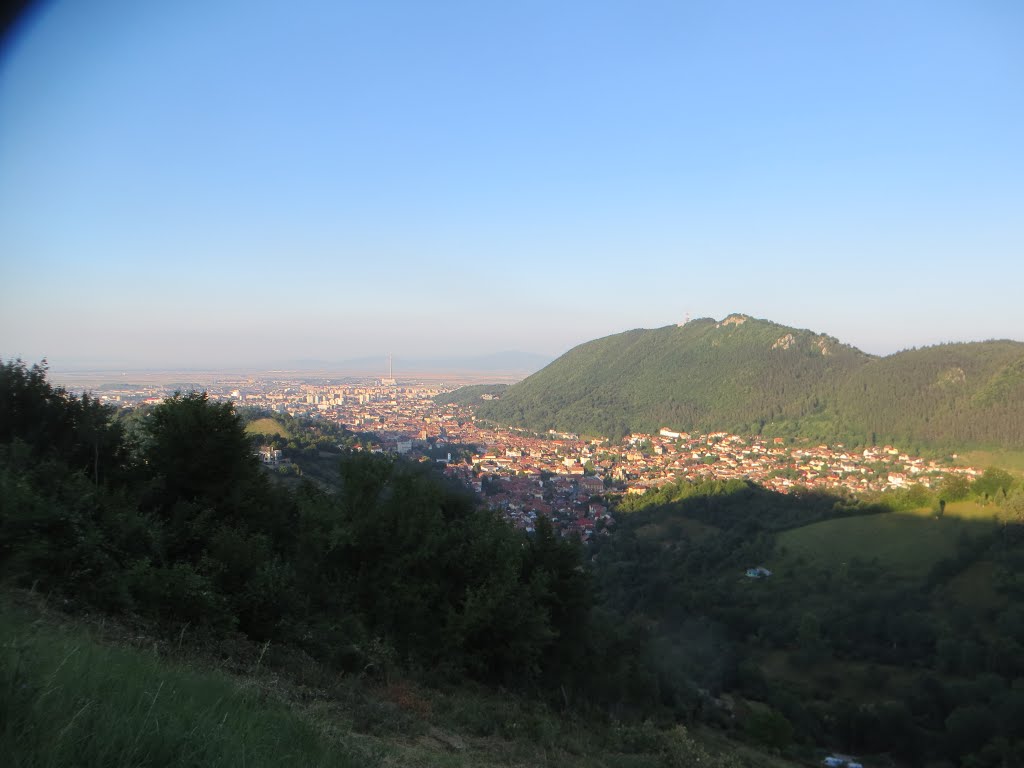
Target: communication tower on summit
point(685, 321)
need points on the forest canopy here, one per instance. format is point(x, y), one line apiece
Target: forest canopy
point(751, 376)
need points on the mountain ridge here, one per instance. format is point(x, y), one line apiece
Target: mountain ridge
point(755, 376)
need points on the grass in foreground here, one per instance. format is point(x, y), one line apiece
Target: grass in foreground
point(66, 699)
point(70, 698)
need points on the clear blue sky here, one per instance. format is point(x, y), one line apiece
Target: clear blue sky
point(231, 183)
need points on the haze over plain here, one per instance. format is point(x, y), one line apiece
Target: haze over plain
point(257, 183)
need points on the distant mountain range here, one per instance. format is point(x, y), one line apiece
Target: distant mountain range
point(754, 376)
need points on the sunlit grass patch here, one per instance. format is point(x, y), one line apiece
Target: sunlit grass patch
point(1011, 461)
point(266, 426)
point(961, 510)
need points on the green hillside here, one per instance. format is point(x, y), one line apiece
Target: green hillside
point(755, 376)
point(947, 395)
point(731, 375)
point(903, 544)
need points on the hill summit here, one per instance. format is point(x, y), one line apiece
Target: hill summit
point(754, 376)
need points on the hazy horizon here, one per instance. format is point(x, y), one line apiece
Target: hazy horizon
point(246, 184)
point(517, 362)
point(498, 362)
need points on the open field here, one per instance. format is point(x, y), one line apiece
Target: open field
point(904, 544)
point(960, 510)
point(266, 426)
point(1011, 461)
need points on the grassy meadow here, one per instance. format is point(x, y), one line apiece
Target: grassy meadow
point(1011, 461)
point(958, 510)
point(267, 426)
point(905, 544)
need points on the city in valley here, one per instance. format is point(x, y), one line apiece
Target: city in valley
point(566, 477)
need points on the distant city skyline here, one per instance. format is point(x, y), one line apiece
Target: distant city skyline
point(237, 184)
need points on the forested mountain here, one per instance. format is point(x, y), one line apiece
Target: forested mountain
point(946, 395)
point(754, 376)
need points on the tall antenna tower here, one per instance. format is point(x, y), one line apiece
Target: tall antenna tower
point(390, 380)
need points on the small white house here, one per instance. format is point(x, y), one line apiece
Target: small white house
point(269, 454)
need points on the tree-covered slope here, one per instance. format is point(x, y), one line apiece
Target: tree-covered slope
point(738, 374)
point(949, 395)
point(751, 376)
